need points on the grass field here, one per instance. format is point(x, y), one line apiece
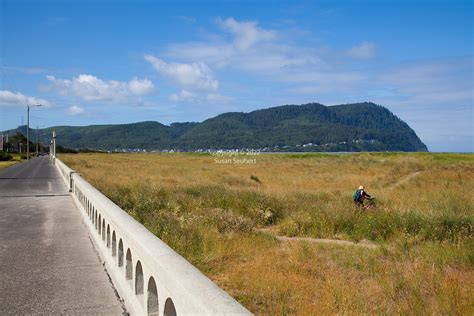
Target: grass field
point(224, 218)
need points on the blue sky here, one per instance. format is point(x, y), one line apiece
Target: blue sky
point(101, 62)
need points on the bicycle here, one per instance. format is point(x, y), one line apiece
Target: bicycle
point(370, 203)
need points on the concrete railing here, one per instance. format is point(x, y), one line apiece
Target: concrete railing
point(150, 277)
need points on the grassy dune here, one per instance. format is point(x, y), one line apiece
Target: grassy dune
point(213, 215)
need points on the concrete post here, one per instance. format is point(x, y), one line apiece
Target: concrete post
point(54, 147)
point(71, 180)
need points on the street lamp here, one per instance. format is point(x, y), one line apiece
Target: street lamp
point(28, 130)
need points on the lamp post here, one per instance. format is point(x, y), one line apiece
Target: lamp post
point(28, 130)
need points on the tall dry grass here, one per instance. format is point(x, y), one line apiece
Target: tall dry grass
point(16, 158)
point(209, 213)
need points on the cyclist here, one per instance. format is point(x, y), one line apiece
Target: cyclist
point(360, 195)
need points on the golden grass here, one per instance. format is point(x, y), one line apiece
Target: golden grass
point(209, 213)
point(5, 164)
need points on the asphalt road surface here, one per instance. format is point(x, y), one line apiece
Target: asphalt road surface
point(48, 264)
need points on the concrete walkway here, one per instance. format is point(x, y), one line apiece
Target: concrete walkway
point(47, 261)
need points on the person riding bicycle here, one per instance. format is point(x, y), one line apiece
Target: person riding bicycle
point(360, 195)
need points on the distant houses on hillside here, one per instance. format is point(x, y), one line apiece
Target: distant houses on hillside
point(308, 147)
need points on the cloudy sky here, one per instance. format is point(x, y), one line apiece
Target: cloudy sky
point(96, 62)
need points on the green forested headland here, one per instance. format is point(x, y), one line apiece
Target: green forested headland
point(309, 127)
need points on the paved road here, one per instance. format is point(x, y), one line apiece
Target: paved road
point(47, 261)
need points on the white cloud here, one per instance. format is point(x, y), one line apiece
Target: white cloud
point(184, 95)
point(437, 82)
point(257, 50)
point(249, 46)
point(246, 36)
point(218, 98)
point(8, 98)
point(435, 98)
point(365, 50)
point(211, 98)
point(75, 110)
point(196, 75)
point(275, 56)
point(140, 87)
point(91, 88)
point(246, 33)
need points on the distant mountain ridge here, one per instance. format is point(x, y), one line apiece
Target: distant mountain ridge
point(308, 127)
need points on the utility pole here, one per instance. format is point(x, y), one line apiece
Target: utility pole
point(28, 134)
point(37, 140)
point(28, 130)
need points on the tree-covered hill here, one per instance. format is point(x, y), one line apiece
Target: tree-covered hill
point(308, 127)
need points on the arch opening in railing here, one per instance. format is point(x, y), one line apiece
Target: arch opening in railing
point(120, 254)
point(114, 244)
point(138, 278)
point(170, 310)
point(128, 265)
point(152, 299)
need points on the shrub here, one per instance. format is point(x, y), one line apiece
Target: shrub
point(450, 227)
point(225, 221)
point(378, 225)
point(5, 156)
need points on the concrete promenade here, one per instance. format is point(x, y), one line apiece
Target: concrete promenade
point(47, 261)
